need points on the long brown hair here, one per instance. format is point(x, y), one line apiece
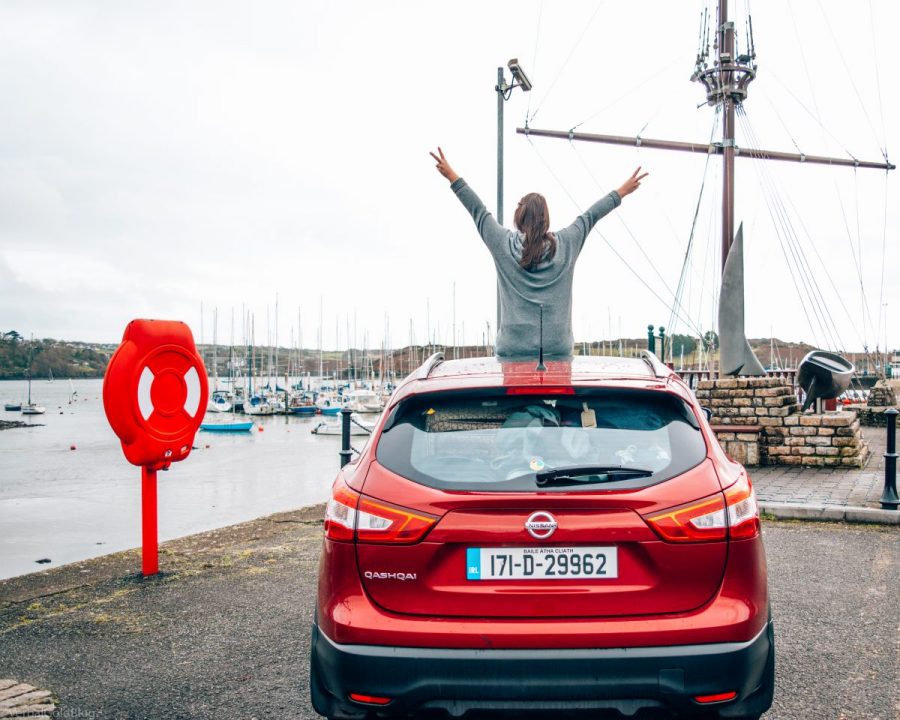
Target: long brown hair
point(532, 219)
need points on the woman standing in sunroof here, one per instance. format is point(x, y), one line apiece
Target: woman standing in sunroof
point(534, 266)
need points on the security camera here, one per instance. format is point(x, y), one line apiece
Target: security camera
point(519, 75)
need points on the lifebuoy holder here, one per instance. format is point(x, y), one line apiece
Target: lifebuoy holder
point(154, 393)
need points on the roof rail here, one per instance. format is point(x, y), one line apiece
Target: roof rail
point(430, 364)
point(658, 369)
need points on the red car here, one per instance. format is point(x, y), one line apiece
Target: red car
point(515, 539)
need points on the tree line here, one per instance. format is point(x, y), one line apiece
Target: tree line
point(50, 358)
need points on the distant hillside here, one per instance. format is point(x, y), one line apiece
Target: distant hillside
point(61, 359)
point(69, 359)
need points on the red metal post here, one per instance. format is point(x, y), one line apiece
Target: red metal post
point(149, 539)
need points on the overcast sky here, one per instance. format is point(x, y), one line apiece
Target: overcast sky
point(159, 155)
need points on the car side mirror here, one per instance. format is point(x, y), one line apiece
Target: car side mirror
point(708, 413)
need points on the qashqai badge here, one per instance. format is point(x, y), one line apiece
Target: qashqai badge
point(541, 525)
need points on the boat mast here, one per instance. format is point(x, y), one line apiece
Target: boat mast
point(30, 357)
point(216, 347)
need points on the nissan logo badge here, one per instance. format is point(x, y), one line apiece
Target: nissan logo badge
point(541, 525)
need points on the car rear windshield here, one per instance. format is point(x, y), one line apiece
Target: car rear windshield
point(496, 441)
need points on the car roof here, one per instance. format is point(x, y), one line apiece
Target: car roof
point(438, 374)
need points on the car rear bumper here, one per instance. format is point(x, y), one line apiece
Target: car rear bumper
point(457, 680)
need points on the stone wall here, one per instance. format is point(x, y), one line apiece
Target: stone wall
point(742, 409)
point(747, 401)
point(827, 440)
point(882, 395)
point(745, 447)
point(758, 421)
point(871, 416)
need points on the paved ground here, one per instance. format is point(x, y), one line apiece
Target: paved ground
point(828, 493)
point(224, 632)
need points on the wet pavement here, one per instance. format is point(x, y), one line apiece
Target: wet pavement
point(223, 631)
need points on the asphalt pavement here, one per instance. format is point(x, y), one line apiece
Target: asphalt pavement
point(223, 632)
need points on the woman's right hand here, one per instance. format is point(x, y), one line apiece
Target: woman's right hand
point(631, 184)
point(443, 167)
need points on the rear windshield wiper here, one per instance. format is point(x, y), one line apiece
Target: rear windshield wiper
point(575, 474)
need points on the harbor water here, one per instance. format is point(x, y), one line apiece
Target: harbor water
point(65, 505)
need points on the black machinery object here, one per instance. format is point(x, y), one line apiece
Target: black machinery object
point(823, 375)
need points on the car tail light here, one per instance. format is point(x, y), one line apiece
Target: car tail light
point(350, 516)
point(700, 521)
point(340, 513)
point(743, 512)
point(733, 514)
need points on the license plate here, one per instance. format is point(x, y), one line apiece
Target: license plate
point(544, 563)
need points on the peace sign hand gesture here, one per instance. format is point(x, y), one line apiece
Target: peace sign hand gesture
point(443, 167)
point(631, 184)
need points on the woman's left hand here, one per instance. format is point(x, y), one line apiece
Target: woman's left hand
point(632, 183)
point(443, 167)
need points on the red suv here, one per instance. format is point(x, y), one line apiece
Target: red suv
point(516, 539)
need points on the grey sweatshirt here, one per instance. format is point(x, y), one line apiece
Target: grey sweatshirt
point(548, 284)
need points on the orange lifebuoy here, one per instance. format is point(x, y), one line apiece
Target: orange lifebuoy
point(153, 392)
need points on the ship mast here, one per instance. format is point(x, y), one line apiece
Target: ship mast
point(725, 80)
point(726, 84)
point(725, 96)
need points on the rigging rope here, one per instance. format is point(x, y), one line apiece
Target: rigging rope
point(624, 224)
point(864, 303)
point(883, 262)
point(602, 236)
point(690, 244)
point(823, 315)
point(780, 228)
point(563, 67)
point(834, 287)
point(709, 254)
point(810, 113)
point(852, 83)
point(856, 254)
point(537, 37)
point(812, 92)
point(878, 79)
point(804, 269)
point(630, 91)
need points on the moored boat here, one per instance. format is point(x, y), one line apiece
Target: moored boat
point(32, 408)
point(304, 410)
point(227, 426)
point(358, 426)
point(364, 401)
point(219, 401)
point(257, 405)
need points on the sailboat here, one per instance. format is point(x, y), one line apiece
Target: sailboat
point(31, 408)
point(219, 400)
